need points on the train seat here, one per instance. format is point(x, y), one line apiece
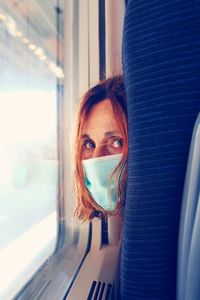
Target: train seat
point(161, 64)
point(188, 275)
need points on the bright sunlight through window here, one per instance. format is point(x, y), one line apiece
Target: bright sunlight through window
point(28, 183)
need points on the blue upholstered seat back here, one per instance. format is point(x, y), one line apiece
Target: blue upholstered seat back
point(161, 64)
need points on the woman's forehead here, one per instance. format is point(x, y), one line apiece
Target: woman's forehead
point(102, 106)
point(100, 118)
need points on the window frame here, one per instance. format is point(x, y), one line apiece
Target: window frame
point(83, 68)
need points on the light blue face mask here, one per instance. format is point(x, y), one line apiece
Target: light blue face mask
point(97, 173)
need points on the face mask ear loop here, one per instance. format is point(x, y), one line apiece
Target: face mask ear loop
point(120, 181)
point(109, 188)
point(116, 177)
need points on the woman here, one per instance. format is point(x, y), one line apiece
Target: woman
point(101, 148)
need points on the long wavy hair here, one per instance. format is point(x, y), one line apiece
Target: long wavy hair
point(112, 89)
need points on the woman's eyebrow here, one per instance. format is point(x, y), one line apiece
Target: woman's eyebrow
point(106, 134)
point(85, 136)
point(110, 133)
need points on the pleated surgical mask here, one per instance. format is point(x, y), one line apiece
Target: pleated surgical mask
point(98, 172)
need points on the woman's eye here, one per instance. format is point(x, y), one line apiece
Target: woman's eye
point(117, 143)
point(87, 145)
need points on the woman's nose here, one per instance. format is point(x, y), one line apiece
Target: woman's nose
point(100, 151)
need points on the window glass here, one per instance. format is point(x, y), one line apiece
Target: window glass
point(31, 72)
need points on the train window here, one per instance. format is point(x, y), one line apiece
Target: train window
point(30, 77)
point(52, 51)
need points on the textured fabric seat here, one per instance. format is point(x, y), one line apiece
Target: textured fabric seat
point(161, 64)
point(188, 275)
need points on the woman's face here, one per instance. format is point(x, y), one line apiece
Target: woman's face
point(101, 135)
